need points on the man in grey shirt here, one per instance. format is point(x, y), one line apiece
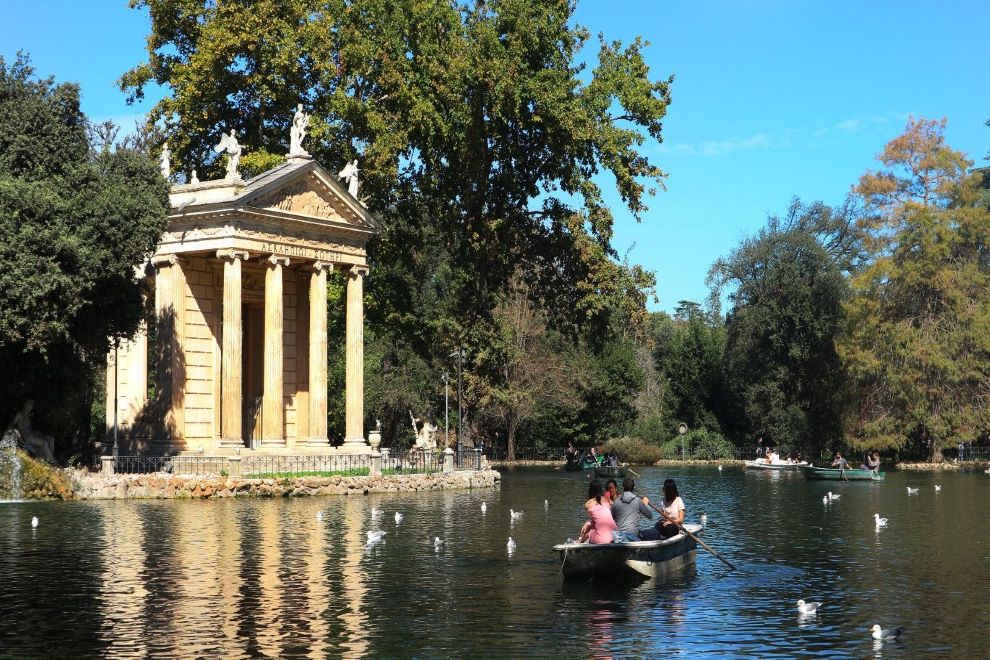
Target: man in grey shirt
point(626, 511)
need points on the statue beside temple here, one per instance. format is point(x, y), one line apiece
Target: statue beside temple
point(229, 144)
point(297, 132)
point(37, 444)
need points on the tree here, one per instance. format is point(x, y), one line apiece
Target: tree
point(780, 357)
point(74, 222)
point(917, 343)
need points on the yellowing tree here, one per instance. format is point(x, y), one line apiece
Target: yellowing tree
point(917, 345)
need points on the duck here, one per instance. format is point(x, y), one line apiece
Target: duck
point(704, 519)
point(516, 515)
point(833, 496)
point(319, 516)
point(511, 545)
point(34, 521)
point(398, 517)
point(912, 491)
point(437, 543)
point(484, 507)
point(808, 608)
point(880, 522)
point(886, 634)
point(938, 489)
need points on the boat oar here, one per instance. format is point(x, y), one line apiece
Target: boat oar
point(700, 542)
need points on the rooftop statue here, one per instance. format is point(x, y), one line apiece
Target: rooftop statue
point(229, 144)
point(166, 161)
point(350, 175)
point(194, 178)
point(297, 132)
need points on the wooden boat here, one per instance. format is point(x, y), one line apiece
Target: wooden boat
point(761, 464)
point(635, 559)
point(835, 474)
point(610, 472)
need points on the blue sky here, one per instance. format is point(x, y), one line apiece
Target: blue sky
point(771, 99)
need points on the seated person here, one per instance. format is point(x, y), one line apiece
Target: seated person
point(872, 461)
point(600, 523)
point(627, 510)
point(611, 491)
point(672, 515)
point(838, 461)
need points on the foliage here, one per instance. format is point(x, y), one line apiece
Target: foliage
point(917, 345)
point(634, 450)
point(780, 359)
point(41, 481)
point(700, 445)
point(74, 222)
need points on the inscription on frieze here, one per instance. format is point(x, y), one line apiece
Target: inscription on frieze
point(303, 252)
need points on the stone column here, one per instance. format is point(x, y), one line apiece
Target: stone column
point(354, 380)
point(318, 354)
point(170, 307)
point(231, 433)
point(273, 405)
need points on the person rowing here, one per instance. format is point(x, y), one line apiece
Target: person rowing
point(671, 515)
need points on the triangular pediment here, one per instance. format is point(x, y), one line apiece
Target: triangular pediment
point(308, 191)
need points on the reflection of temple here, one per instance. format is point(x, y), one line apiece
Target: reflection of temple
point(240, 295)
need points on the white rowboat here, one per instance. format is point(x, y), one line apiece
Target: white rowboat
point(761, 464)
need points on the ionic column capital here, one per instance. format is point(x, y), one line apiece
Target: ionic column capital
point(164, 260)
point(317, 266)
point(357, 271)
point(276, 260)
point(232, 254)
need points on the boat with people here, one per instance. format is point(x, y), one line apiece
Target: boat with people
point(632, 559)
point(840, 474)
point(763, 464)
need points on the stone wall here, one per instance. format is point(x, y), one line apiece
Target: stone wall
point(97, 486)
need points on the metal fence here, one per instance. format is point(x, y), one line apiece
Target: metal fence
point(179, 465)
point(412, 461)
point(268, 466)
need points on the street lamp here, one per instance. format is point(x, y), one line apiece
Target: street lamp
point(446, 407)
point(116, 382)
point(459, 354)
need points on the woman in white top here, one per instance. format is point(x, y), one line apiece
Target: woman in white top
point(672, 508)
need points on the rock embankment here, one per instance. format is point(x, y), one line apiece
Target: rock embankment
point(96, 486)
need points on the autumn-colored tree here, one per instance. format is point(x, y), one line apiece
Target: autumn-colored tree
point(917, 345)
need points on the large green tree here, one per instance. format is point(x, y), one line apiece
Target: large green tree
point(75, 220)
point(482, 139)
point(918, 340)
point(786, 288)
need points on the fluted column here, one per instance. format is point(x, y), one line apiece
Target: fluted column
point(354, 380)
point(231, 434)
point(273, 405)
point(318, 354)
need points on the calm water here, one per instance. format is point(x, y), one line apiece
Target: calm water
point(264, 578)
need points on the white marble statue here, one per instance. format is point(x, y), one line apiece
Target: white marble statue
point(297, 133)
point(229, 144)
point(350, 175)
point(166, 161)
point(38, 444)
point(194, 178)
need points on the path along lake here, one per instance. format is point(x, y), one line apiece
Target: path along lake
point(265, 578)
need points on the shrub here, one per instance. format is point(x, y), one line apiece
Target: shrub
point(701, 445)
point(40, 481)
point(634, 450)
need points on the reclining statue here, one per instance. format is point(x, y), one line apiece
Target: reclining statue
point(37, 444)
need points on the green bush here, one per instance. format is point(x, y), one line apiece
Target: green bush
point(634, 450)
point(700, 445)
point(41, 481)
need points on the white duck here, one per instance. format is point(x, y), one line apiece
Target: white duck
point(808, 608)
point(319, 516)
point(484, 507)
point(825, 499)
point(704, 519)
point(833, 496)
point(437, 543)
point(374, 536)
point(398, 517)
point(886, 634)
point(376, 513)
point(34, 521)
point(516, 515)
point(511, 546)
point(880, 522)
point(938, 489)
point(912, 491)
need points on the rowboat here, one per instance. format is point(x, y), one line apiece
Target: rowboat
point(835, 474)
point(761, 464)
point(610, 472)
point(635, 559)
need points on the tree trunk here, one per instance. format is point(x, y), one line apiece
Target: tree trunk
point(510, 450)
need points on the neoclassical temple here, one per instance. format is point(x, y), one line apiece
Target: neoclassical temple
point(239, 350)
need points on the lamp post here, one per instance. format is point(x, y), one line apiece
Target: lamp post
point(459, 354)
point(116, 382)
point(446, 407)
point(681, 430)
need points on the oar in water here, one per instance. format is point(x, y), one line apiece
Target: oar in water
point(700, 542)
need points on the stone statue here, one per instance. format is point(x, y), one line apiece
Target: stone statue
point(300, 122)
point(229, 144)
point(427, 436)
point(37, 444)
point(350, 175)
point(166, 161)
point(194, 178)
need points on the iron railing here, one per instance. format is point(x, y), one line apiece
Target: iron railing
point(412, 461)
point(178, 465)
point(275, 466)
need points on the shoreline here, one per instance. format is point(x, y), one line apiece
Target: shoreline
point(969, 466)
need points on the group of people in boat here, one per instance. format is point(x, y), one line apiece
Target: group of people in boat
point(615, 518)
point(773, 458)
point(871, 461)
point(591, 456)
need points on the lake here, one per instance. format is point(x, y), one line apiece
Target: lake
point(265, 578)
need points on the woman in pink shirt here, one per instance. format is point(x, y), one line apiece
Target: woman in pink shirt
point(600, 523)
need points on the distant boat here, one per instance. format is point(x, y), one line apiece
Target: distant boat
point(610, 472)
point(762, 464)
point(636, 559)
point(835, 474)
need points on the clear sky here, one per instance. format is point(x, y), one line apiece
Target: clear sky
point(772, 98)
